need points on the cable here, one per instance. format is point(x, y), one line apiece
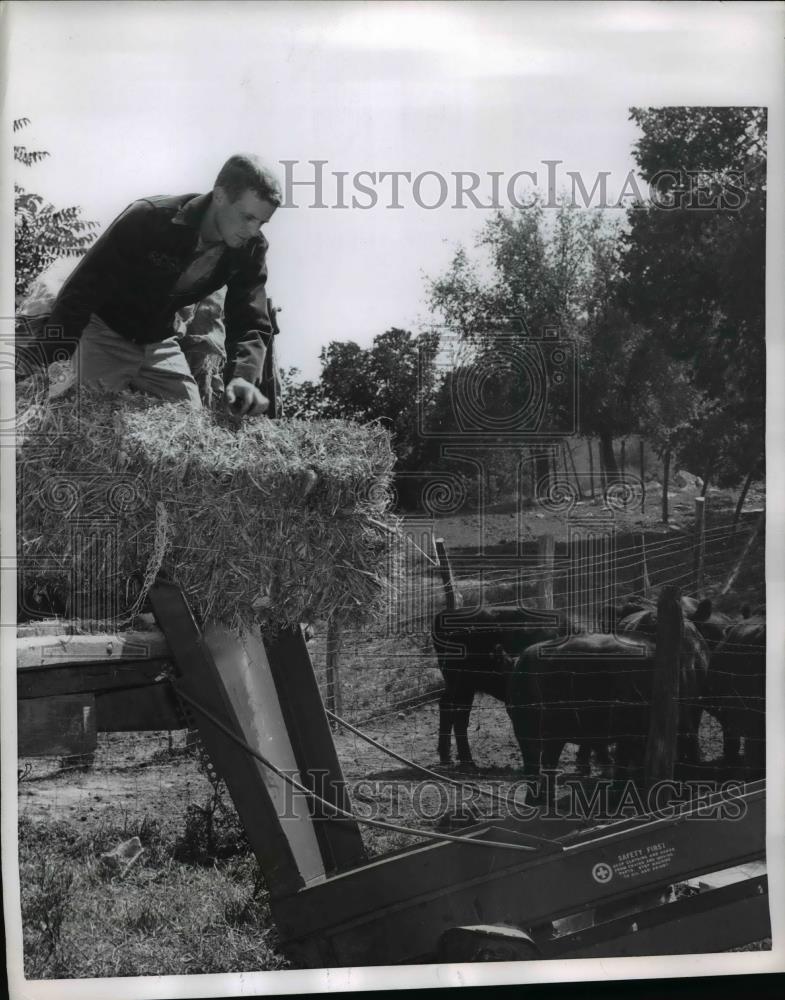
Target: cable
point(342, 813)
point(419, 767)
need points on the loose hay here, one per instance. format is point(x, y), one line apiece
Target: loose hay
point(259, 521)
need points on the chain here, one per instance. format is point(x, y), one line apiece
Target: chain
point(203, 759)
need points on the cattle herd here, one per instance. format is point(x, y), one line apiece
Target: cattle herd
point(561, 684)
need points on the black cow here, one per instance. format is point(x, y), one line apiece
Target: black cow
point(642, 612)
point(736, 694)
point(476, 652)
point(596, 688)
point(736, 682)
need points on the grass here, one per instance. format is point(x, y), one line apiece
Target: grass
point(165, 917)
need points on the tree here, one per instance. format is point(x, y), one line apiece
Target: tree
point(561, 275)
point(695, 275)
point(304, 400)
point(42, 233)
point(390, 381)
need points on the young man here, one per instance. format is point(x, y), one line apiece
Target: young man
point(164, 253)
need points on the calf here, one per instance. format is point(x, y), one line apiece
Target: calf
point(736, 694)
point(702, 631)
point(735, 684)
point(711, 624)
point(596, 688)
point(477, 652)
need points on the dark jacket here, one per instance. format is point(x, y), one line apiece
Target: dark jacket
point(127, 279)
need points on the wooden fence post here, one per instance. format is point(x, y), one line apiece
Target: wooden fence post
point(745, 552)
point(546, 547)
point(664, 718)
point(643, 476)
point(700, 544)
point(591, 467)
point(666, 471)
point(574, 470)
point(334, 699)
point(452, 597)
point(642, 584)
point(743, 495)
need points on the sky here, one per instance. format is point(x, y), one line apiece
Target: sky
point(141, 98)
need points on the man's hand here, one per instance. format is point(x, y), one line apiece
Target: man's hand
point(244, 399)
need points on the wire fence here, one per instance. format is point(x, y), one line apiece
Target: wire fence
point(387, 680)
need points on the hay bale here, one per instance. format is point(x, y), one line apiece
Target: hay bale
point(259, 521)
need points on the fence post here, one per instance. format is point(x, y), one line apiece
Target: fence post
point(664, 718)
point(643, 477)
point(574, 470)
point(451, 594)
point(546, 548)
point(745, 552)
point(334, 700)
point(666, 471)
point(700, 544)
point(591, 467)
point(743, 495)
point(642, 584)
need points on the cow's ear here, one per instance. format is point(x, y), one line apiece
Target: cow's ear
point(703, 611)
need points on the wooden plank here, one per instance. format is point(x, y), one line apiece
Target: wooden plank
point(393, 910)
point(61, 726)
point(53, 679)
point(339, 840)
point(68, 626)
point(45, 650)
point(53, 626)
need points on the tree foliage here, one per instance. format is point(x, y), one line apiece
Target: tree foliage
point(668, 317)
point(559, 274)
point(389, 381)
point(694, 271)
point(42, 233)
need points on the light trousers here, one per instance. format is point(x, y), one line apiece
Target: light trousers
point(106, 360)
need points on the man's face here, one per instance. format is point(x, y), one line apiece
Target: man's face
point(238, 221)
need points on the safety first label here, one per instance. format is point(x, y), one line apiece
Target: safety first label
point(630, 864)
